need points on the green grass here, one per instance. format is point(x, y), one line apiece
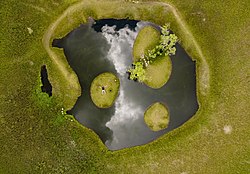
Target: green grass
point(35, 139)
point(147, 38)
point(158, 73)
point(156, 117)
point(104, 90)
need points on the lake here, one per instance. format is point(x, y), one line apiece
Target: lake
point(106, 46)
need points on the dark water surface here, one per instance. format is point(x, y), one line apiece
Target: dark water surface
point(46, 85)
point(91, 50)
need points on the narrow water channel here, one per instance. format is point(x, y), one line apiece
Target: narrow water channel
point(106, 46)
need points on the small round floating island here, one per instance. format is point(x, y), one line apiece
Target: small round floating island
point(104, 90)
point(157, 117)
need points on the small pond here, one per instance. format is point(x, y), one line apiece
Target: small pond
point(106, 46)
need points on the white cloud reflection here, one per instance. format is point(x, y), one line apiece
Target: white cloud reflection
point(127, 112)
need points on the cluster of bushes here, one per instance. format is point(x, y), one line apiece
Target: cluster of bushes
point(165, 47)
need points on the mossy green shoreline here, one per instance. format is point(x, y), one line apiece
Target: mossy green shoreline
point(37, 137)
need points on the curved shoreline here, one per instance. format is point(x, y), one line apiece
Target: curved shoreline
point(202, 68)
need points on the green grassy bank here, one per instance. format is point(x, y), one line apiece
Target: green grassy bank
point(37, 137)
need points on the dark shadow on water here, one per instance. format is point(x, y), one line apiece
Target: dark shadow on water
point(119, 23)
point(86, 49)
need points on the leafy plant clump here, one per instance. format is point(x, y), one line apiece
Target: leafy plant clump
point(137, 72)
point(166, 47)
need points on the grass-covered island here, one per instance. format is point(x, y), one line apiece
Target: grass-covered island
point(104, 90)
point(158, 73)
point(147, 39)
point(152, 65)
point(157, 117)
